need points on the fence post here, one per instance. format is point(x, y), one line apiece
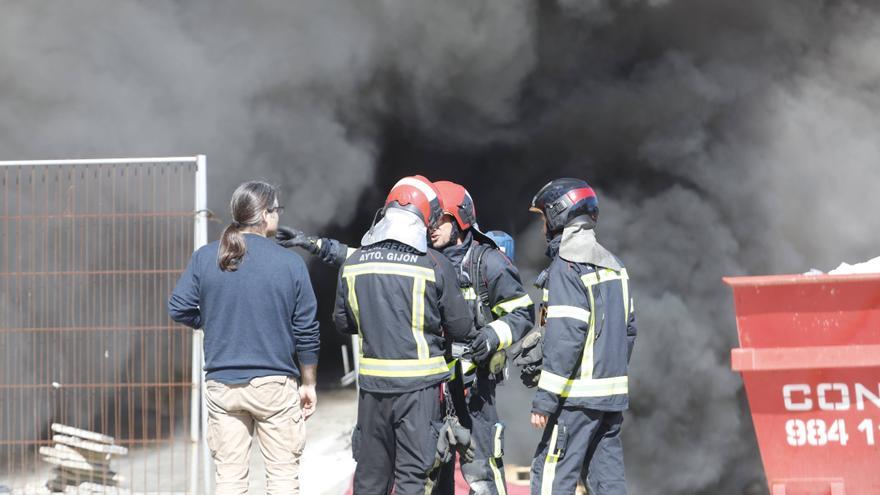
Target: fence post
point(198, 414)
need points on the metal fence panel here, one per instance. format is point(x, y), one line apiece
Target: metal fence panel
point(89, 251)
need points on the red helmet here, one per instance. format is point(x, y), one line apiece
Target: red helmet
point(417, 195)
point(456, 201)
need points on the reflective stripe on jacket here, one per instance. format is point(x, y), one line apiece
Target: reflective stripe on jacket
point(398, 300)
point(588, 339)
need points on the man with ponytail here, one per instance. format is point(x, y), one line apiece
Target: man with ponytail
point(255, 302)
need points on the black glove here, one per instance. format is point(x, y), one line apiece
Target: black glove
point(530, 375)
point(530, 349)
point(454, 436)
point(290, 237)
point(530, 357)
point(484, 345)
point(463, 442)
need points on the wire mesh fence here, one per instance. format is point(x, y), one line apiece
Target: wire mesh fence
point(88, 255)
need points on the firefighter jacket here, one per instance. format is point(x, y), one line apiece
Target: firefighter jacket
point(510, 307)
point(588, 338)
point(399, 300)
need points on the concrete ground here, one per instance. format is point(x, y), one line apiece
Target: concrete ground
point(326, 469)
point(327, 465)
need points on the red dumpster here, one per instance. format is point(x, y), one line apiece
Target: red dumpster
point(810, 361)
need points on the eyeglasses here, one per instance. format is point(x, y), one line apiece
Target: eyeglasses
point(279, 209)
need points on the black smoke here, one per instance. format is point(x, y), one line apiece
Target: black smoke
point(722, 137)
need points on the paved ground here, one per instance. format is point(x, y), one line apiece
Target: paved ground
point(327, 465)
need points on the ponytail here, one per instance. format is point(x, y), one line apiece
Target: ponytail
point(232, 248)
point(248, 203)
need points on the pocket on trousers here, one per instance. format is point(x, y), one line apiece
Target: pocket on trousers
point(270, 391)
point(214, 392)
point(261, 381)
point(498, 440)
point(296, 405)
point(212, 438)
point(558, 448)
point(215, 388)
point(356, 443)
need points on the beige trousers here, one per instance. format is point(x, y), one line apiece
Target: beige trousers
point(270, 405)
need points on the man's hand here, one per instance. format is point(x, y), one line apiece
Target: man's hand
point(484, 345)
point(289, 237)
point(308, 400)
point(539, 420)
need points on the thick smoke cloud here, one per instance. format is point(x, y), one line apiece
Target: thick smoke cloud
point(723, 138)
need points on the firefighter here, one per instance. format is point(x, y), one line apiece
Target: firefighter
point(503, 312)
point(500, 308)
point(588, 340)
point(398, 295)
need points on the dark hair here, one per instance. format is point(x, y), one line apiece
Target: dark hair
point(247, 205)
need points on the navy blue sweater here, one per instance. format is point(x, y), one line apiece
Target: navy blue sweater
point(256, 318)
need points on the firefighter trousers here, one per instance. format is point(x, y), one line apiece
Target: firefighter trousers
point(580, 443)
point(476, 410)
point(395, 442)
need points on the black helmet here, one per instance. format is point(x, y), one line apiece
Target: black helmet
point(563, 200)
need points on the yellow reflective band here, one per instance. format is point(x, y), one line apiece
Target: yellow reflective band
point(468, 293)
point(603, 275)
point(624, 282)
point(418, 318)
point(587, 356)
point(496, 475)
point(355, 310)
point(353, 302)
point(549, 474)
point(452, 369)
point(546, 295)
point(403, 368)
point(575, 312)
point(583, 387)
point(512, 305)
point(380, 268)
point(467, 367)
point(502, 330)
point(632, 306)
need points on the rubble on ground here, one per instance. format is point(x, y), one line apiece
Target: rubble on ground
point(82, 462)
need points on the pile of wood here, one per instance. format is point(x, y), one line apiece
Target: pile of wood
point(82, 461)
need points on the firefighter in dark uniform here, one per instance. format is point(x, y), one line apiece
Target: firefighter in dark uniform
point(501, 310)
point(588, 340)
point(399, 296)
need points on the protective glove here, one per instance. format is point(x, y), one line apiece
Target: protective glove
point(453, 435)
point(530, 357)
point(530, 349)
point(484, 345)
point(530, 375)
point(289, 237)
point(444, 445)
point(463, 443)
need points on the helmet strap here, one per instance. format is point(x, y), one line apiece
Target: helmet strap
point(378, 216)
point(456, 234)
